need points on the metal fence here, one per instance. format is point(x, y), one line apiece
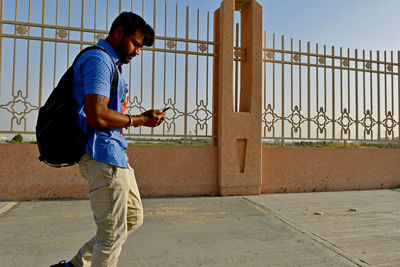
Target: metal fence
point(313, 92)
point(310, 92)
point(39, 40)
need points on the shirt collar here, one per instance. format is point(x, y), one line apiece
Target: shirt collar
point(110, 50)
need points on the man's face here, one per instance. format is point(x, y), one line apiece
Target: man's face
point(130, 46)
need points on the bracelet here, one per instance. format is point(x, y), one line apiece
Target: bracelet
point(130, 121)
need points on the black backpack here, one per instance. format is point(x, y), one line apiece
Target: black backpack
point(60, 140)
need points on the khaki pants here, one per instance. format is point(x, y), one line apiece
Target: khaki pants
point(117, 208)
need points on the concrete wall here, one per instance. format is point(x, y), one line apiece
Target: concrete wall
point(306, 169)
point(160, 171)
point(190, 171)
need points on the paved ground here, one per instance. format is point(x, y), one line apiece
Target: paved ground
point(364, 224)
point(266, 230)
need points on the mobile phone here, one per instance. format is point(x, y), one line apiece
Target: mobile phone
point(165, 109)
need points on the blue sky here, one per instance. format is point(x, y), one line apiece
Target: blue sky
point(362, 24)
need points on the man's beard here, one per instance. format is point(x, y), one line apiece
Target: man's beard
point(124, 61)
point(124, 58)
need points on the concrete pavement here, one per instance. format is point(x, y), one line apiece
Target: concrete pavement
point(359, 224)
point(6, 206)
point(265, 230)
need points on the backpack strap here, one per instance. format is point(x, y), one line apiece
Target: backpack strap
point(114, 83)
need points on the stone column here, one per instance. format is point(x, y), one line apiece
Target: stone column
point(239, 133)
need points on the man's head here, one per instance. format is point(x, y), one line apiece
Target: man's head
point(128, 34)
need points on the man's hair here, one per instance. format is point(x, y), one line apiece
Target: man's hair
point(131, 22)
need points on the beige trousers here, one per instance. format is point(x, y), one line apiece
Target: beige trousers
point(117, 208)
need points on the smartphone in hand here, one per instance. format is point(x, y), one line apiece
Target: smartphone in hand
point(150, 115)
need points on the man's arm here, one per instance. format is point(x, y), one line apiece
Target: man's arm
point(101, 117)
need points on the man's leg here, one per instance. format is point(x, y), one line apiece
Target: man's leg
point(135, 208)
point(109, 190)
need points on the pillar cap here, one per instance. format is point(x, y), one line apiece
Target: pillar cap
point(241, 4)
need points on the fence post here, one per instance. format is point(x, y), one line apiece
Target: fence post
point(239, 133)
point(216, 76)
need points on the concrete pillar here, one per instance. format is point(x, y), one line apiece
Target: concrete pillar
point(239, 133)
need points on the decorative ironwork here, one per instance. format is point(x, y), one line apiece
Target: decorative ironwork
point(135, 106)
point(296, 119)
point(345, 121)
point(269, 117)
point(203, 47)
point(321, 120)
point(306, 83)
point(270, 55)
point(201, 115)
point(182, 116)
point(100, 36)
point(171, 44)
point(368, 122)
point(62, 34)
point(239, 54)
point(389, 123)
point(172, 115)
point(19, 107)
point(21, 29)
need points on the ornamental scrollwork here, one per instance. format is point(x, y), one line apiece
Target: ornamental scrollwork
point(21, 29)
point(239, 54)
point(296, 57)
point(389, 123)
point(296, 119)
point(201, 115)
point(368, 122)
point(269, 117)
point(19, 107)
point(203, 47)
point(100, 36)
point(345, 121)
point(62, 34)
point(321, 120)
point(321, 60)
point(171, 44)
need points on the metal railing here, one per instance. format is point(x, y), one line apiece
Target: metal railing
point(38, 43)
point(309, 92)
point(321, 93)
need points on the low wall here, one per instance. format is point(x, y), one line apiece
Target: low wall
point(192, 170)
point(308, 169)
point(159, 170)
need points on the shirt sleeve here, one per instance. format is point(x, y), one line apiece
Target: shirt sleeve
point(96, 75)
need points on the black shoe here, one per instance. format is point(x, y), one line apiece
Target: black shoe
point(62, 264)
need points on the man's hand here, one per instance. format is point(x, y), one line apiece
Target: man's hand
point(152, 118)
point(101, 117)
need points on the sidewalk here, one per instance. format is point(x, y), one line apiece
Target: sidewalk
point(363, 224)
point(265, 230)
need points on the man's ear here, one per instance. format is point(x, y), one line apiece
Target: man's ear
point(119, 32)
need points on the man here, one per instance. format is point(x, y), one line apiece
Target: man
point(113, 192)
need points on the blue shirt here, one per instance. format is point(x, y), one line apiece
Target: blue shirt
point(93, 74)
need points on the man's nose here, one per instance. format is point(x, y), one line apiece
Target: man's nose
point(137, 51)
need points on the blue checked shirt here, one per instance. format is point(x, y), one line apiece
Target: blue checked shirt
point(93, 74)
